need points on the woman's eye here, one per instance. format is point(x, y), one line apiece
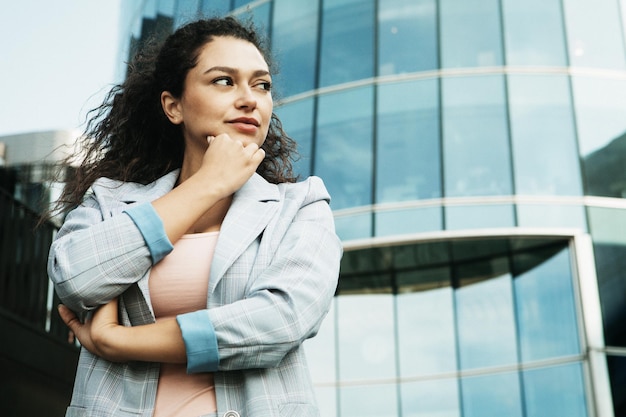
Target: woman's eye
point(267, 86)
point(223, 81)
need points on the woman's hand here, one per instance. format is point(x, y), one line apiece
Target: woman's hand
point(102, 335)
point(99, 332)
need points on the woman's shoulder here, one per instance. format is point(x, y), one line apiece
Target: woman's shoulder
point(132, 191)
point(310, 189)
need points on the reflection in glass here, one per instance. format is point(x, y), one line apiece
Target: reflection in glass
point(484, 311)
point(343, 151)
point(544, 299)
point(347, 41)
point(435, 397)
point(601, 116)
point(471, 35)
point(426, 342)
point(594, 34)
point(545, 43)
point(407, 36)
point(617, 374)
point(407, 143)
point(297, 121)
point(186, 11)
point(495, 395)
point(366, 337)
point(294, 40)
point(357, 226)
point(416, 220)
point(368, 401)
point(542, 130)
point(475, 137)
point(479, 216)
point(555, 391)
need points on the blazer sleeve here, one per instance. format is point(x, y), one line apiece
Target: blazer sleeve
point(95, 257)
point(285, 305)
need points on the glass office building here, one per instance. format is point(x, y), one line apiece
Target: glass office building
point(475, 151)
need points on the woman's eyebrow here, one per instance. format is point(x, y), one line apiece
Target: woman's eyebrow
point(232, 71)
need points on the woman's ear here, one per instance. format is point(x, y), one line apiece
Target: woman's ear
point(170, 105)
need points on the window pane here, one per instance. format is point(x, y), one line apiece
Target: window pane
point(297, 121)
point(369, 401)
point(601, 115)
point(397, 222)
point(552, 215)
point(186, 11)
point(470, 33)
point(555, 391)
point(479, 216)
point(215, 7)
point(617, 373)
point(542, 129)
point(545, 43)
point(484, 312)
point(407, 143)
point(294, 40)
point(437, 397)
point(347, 41)
point(594, 34)
point(492, 396)
point(366, 336)
point(356, 226)
point(344, 146)
point(474, 118)
point(426, 343)
point(407, 36)
point(544, 298)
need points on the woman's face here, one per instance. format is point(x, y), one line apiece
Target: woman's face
point(228, 91)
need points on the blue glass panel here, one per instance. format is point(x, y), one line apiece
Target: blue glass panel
point(294, 41)
point(601, 116)
point(407, 142)
point(215, 7)
point(544, 300)
point(471, 34)
point(486, 324)
point(551, 215)
point(545, 43)
point(166, 7)
point(186, 11)
point(594, 34)
point(369, 401)
point(239, 3)
point(477, 158)
point(297, 120)
point(436, 397)
point(357, 226)
point(542, 130)
point(343, 149)
point(495, 395)
point(407, 36)
point(414, 220)
point(479, 216)
point(555, 391)
point(426, 342)
point(347, 50)
point(365, 332)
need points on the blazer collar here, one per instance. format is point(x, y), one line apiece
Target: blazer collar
point(252, 209)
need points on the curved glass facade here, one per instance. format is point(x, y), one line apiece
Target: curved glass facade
point(475, 151)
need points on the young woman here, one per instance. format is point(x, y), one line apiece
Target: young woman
point(192, 265)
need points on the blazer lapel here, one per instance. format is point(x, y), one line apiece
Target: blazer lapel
point(250, 212)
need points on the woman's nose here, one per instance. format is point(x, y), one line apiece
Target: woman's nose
point(246, 98)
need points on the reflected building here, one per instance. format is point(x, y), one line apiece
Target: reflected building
point(475, 153)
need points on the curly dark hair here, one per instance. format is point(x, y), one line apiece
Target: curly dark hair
point(129, 138)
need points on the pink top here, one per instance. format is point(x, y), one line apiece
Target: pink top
point(179, 284)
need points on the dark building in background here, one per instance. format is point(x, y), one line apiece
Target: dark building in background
point(37, 363)
point(475, 154)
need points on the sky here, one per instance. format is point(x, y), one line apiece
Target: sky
point(57, 60)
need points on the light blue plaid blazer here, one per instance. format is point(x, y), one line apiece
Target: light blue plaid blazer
point(273, 277)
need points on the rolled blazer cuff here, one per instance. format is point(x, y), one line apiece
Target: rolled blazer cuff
point(200, 341)
point(151, 227)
